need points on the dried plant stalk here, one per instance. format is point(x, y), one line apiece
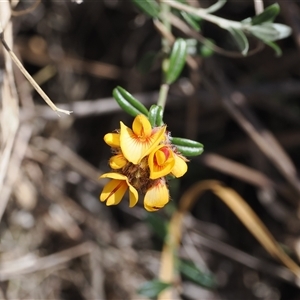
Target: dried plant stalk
point(29, 77)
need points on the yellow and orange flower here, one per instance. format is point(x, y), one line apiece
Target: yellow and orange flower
point(157, 196)
point(141, 140)
point(142, 157)
point(161, 162)
point(114, 191)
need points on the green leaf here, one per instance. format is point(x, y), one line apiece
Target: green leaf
point(149, 7)
point(194, 23)
point(247, 21)
point(268, 15)
point(157, 224)
point(187, 147)
point(128, 103)
point(240, 39)
point(283, 30)
point(191, 272)
point(270, 32)
point(275, 47)
point(216, 6)
point(177, 60)
point(155, 115)
point(265, 32)
point(152, 289)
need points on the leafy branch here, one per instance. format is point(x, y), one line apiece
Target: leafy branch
point(261, 26)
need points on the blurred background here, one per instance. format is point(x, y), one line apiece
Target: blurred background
point(57, 241)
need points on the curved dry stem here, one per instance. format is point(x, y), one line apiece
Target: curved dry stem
point(29, 77)
point(238, 206)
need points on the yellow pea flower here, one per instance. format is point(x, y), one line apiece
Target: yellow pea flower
point(141, 158)
point(114, 191)
point(161, 162)
point(157, 196)
point(180, 166)
point(112, 139)
point(141, 140)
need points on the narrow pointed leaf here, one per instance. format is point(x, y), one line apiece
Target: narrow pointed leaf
point(265, 32)
point(177, 60)
point(190, 20)
point(155, 115)
point(275, 47)
point(270, 32)
point(128, 103)
point(283, 30)
point(149, 7)
point(191, 272)
point(240, 39)
point(216, 6)
point(268, 15)
point(187, 147)
point(152, 289)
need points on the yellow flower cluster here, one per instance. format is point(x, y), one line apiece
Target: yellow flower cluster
point(142, 157)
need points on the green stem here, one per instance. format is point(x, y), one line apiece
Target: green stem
point(163, 93)
point(165, 9)
point(164, 88)
point(204, 14)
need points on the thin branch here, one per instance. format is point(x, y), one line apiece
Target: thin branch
point(29, 77)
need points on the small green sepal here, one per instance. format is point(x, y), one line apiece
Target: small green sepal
point(177, 60)
point(187, 147)
point(155, 115)
point(128, 103)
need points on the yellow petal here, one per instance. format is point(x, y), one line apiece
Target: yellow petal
point(141, 126)
point(161, 162)
point(117, 195)
point(133, 196)
point(157, 196)
point(160, 157)
point(117, 161)
point(114, 176)
point(112, 139)
point(180, 166)
point(113, 192)
point(135, 149)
